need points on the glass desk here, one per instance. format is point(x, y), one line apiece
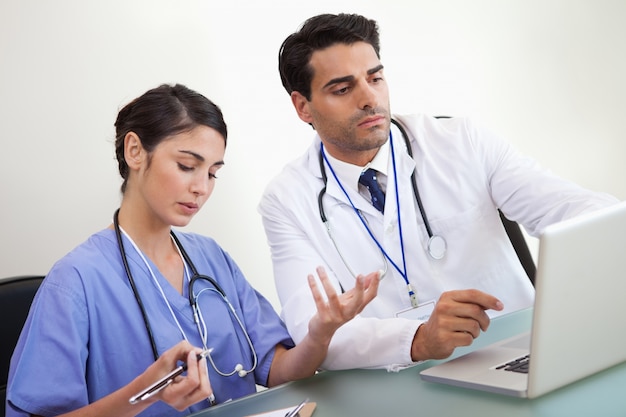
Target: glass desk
point(378, 393)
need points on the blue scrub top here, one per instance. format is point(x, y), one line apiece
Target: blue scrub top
point(85, 336)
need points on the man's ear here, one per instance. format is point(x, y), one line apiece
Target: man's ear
point(301, 104)
point(133, 150)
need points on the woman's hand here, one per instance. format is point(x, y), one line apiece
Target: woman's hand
point(185, 390)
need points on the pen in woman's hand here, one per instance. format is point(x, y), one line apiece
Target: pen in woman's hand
point(296, 410)
point(164, 382)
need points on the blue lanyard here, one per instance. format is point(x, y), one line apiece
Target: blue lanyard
point(402, 272)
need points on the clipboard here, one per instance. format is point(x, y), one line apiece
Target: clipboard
point(307, 411)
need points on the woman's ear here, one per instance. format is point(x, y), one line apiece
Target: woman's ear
point(133, 150)
point(301, 104)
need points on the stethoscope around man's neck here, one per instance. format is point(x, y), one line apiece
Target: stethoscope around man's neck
point(436, 245)
point(193, 300)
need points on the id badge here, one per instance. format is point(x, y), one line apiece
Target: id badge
point(421, 312)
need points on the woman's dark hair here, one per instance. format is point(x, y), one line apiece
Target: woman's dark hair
point(320, 32)
point(160, 113)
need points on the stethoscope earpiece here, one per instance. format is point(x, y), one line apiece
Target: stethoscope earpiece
point(240, 371)
point(201, 324)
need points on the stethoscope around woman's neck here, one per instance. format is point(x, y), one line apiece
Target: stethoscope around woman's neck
point(436, 245)
point(193, 301)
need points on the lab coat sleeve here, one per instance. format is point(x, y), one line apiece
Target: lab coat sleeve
point(526, 192)
point(299, 243)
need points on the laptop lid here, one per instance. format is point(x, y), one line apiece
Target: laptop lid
point(578, 326)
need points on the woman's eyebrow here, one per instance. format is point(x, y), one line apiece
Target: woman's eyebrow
point(194, 154)
point(200, 157)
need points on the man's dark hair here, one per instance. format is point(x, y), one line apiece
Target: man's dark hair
point(320, 32)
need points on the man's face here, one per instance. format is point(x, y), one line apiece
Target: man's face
point(349, 105)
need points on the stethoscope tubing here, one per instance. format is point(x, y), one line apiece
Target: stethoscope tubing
point(192, 301)
point(416, 193)
point(133, 286)
point(436, 245)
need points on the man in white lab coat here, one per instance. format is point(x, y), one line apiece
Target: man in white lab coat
point(444, 258)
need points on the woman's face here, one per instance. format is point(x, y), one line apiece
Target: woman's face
point(178, 177)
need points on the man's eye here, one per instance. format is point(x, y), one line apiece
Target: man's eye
point(341, 91)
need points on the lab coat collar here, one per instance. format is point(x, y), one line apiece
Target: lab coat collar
point(349, 174)
point(404, 163)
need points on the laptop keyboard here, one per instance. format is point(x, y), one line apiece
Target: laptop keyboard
point(518, 365)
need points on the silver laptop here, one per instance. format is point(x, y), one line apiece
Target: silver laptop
point(579, 319)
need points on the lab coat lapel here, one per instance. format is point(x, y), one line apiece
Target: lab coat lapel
point(334, 193)
point(405, 165)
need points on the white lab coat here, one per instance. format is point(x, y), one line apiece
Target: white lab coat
point(464, 173)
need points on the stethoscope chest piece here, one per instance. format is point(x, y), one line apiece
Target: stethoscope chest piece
point(437, 247)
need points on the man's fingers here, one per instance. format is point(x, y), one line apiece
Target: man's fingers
point(317, 295)
point(370, 285)
point(477, 297)
point(331, 294)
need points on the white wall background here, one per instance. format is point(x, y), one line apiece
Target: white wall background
point(547, 75)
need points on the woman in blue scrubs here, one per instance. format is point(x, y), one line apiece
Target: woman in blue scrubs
point(136, 299)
